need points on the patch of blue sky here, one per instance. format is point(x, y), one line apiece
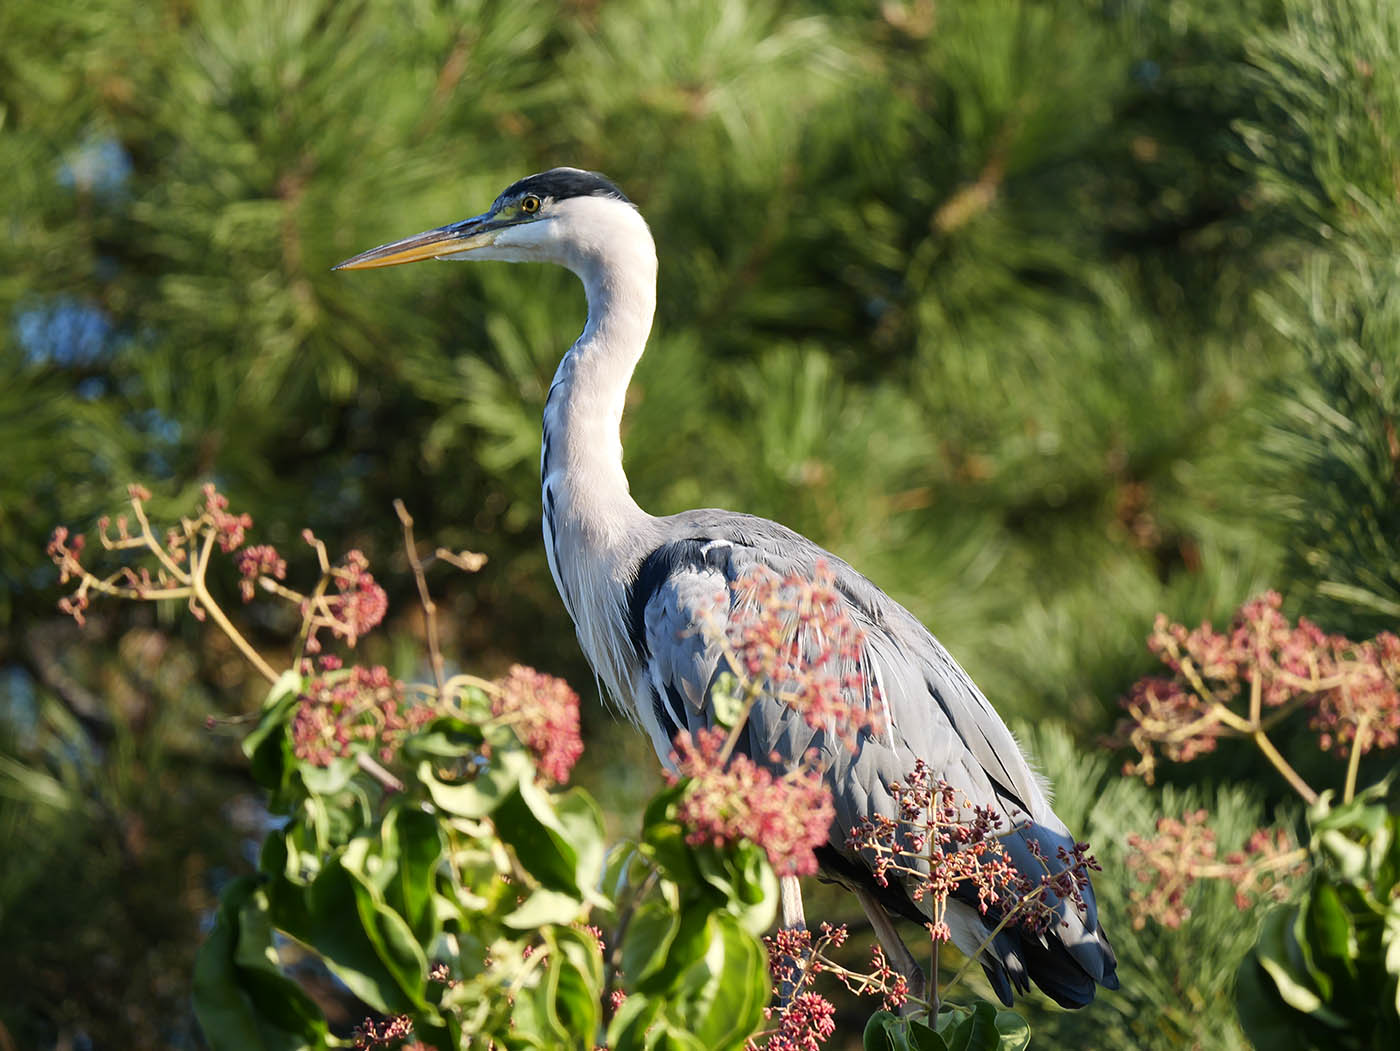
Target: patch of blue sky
point(64, 331)
point(99, 166)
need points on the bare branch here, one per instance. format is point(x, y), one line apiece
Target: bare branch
point(430, 628)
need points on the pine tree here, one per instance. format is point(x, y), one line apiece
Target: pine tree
point(1047, 316)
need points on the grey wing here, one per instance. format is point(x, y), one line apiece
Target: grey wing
point(686, 606)
point(682, 598)
point(932, 711)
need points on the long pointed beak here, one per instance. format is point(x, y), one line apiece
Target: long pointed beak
point(453, 239)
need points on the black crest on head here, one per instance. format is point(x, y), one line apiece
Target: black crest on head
point(562, 183)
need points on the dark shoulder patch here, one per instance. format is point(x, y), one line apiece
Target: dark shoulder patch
point(563, 183)
point(658, 567)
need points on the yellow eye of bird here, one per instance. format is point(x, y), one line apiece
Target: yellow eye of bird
point(530, 204)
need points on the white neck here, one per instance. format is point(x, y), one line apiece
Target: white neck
point(587, 503)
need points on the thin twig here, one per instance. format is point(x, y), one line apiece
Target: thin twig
point(149, 540)
point(466, 561)
point(430, 627)
point(370, 765)
point(308, 618)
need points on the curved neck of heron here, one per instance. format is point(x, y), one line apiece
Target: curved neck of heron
point(586, 495)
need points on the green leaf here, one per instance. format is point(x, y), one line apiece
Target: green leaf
point(544, 908)
point(663, 837)
point(446, 737)
point(745, 880)
point(1015, 1031)
point(1265, 1018)
point(1277, 952)
point(980, 1027)
point(414, 839)
point(691, 942)
point(581, 823)
point(1281, 957)
point(326, 916)
point(648, 941)
point(526, 822)
point(575, 983)
point(634, 1019)
point(330, 779)
point(1390, 942)
point(268, 746)
point(278, 702)
point(720, 998)
point(726, 705)
point(884, 1032)
point(1329, 933)
point(241, 998)
point(558, 839)
point(479, 796)
point(921, 1038)
point(388, 931)
point(968, 1029)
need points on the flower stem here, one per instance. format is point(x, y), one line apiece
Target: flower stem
point(1282, 766)
point(371, 766)
point(1354, 760)
point(934, 1003)
point(202, 596)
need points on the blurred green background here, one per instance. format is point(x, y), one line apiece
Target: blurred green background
point(1046, 314)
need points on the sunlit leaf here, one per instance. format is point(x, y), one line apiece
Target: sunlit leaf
point(241, 998)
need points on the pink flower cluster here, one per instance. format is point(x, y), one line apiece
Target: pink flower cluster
point(1235, 682)
point(1184, 851)
point(544, 713)
point(213, 522)
point(939, 842)
point(258, 560)
point(795, 958)
point(359, 603)
point(893, 986)
point(789, 816)
point(371, 1034)
point(363, 707)
point(1369, 697)
point(228, 528)
point(66, 551)
point(794, 636)
point(804, 1024)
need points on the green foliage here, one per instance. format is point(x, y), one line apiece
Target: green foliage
point(1176, 983)
point(1046, 315)
point(1339, 435)
point(1323, 153)
point(86, 875)
point(1326, 971)
point(979, 1028)
point(457, 900)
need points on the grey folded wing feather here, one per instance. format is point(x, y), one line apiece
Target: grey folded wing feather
point(682, 596)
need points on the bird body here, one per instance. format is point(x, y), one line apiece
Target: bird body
point(639, 588)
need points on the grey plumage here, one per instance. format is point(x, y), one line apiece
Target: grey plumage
point(638, 588)
point(935, 713)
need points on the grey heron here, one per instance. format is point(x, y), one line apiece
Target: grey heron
point(637, 586)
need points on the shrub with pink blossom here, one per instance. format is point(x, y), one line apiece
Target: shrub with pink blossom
point(1322, 961)
point(421, 852)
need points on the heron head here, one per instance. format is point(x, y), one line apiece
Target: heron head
point(558, 216)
